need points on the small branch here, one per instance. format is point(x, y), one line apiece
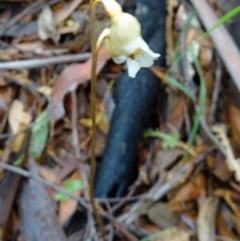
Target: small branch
point(37, 63)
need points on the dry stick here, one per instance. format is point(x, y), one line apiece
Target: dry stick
point(37, 63)
point(216, 89)
point(93, 97)
point(224, 43)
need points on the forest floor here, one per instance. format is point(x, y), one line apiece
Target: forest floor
point(188, 183)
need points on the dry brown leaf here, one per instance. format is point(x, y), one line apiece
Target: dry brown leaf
point(227, 192)
point(232, 163)
point(206, 219)
point(236, 222)
point(18, 116)
point(67, 208)
point(69, 80)
point(206, 56)
point(2, 81)
point(162, 160)
point(219, 167)
point(191, 190)
point(234, 117)
point(176, 107)
point(224, 229)
point(18, 119)
point(66, 11)
point(46, 25)
point(49, 174)
point(162, 216)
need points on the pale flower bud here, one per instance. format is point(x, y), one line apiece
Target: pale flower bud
point(124, 42)
point(111, 6)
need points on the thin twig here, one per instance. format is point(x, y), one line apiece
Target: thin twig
point(37, 63)
point(212, 137)
point(216, 89)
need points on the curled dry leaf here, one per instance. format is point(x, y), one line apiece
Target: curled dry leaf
point(46, 25)
point(191, 190)
point(69, 80)
point(162, 216)
point(206, 219)
point(18, 116)
point(232, 163)
point(18, 119)
point(162, 160)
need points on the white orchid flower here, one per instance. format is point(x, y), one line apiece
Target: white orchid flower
point(124, 41)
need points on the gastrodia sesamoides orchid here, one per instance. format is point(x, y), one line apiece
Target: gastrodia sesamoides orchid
point(124, 41)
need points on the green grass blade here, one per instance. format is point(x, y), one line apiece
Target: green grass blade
point(155, 235)
point(220, 22)
point(179, 86)
point(201, 105)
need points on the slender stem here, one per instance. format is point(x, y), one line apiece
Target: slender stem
point(93, 117)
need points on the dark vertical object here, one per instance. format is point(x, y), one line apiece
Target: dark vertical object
point(135, 99)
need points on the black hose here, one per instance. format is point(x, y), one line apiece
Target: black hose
point(135, 99)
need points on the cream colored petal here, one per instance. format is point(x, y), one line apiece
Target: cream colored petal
point(120, 59)
point(146, 58)
point(114, 52)
point(133, 67)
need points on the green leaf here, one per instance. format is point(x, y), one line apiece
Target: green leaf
point(19, 161)
point(39, 135)
point(70, 186)
point(73, 185)
point(168, 140)
point(61, 197)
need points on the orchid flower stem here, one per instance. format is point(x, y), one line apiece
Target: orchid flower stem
point(93, 117)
